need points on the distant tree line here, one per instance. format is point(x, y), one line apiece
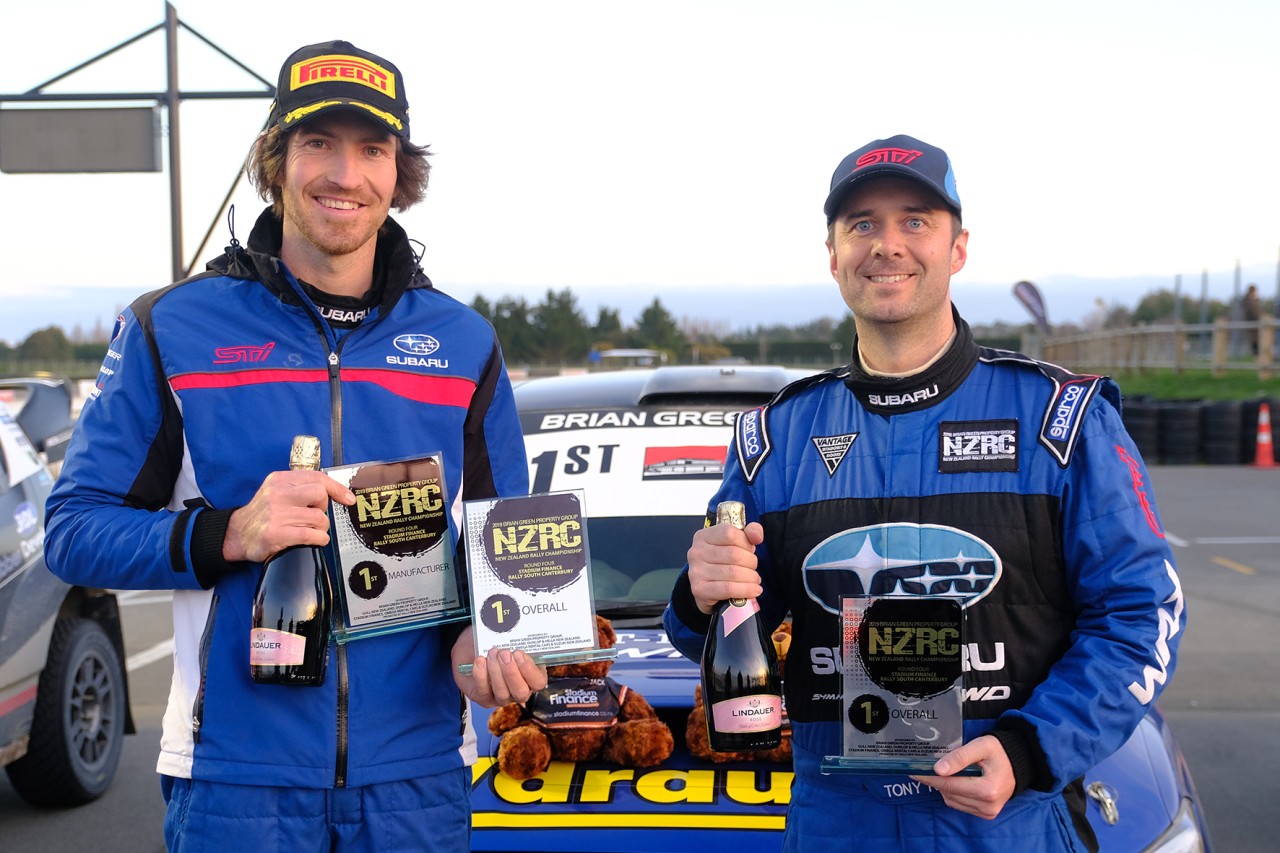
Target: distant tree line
point(556, 331)
point(52, 345)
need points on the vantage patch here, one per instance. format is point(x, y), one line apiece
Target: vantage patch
point(832, 449)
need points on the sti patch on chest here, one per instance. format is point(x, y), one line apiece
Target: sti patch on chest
point(969, 446)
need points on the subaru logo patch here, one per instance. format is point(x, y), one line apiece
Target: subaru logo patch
point(417, 344)
point(900, 559)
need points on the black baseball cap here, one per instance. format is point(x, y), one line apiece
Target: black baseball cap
point(900, 155)
point(336, 75)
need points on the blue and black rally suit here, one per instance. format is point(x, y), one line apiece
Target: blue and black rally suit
point(990, 477)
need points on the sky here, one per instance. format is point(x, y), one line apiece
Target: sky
point(683, 150)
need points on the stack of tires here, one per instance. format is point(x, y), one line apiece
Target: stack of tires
point(1188, 432)
point(1178, 436)
point(1142, 420)
point(1220, 432)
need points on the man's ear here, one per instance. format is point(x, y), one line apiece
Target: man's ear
point(959, 251)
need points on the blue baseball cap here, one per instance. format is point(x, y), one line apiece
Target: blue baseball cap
point(904, 156)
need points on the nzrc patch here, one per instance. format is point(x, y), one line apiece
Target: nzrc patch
point(977, 446)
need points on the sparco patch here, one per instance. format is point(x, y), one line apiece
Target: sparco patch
point(1065, 414)
point(965, 446)
point(752, 440)
point(832, 449)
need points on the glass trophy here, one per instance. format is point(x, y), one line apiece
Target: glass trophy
point(902, 684)
point(528, 565)
point(393, 548)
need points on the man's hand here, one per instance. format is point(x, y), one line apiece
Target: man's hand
point(290, 508)
point(983, 795)
point(502, 677)
point(722, 564)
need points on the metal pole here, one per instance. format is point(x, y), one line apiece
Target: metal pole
point(195, 259)
point(1204, 297)
point(171, 98)
point(1204, 310)
point(89, 62)
point(175, 138)
point(1237, 313)
point(1179, 339)
point(1276, 340)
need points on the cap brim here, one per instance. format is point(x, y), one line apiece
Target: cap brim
point(299, 115)
point(835, 199)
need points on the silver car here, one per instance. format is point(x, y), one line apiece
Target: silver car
point(64, 697)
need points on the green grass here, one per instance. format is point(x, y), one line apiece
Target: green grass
point(1195, 385)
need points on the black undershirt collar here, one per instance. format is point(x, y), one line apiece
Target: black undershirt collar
point(889, 396)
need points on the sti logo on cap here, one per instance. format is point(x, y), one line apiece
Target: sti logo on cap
point(337, 67)
point(886, 155)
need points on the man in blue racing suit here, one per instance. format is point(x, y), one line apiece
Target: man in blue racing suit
point(933, 466)
point(323, 325)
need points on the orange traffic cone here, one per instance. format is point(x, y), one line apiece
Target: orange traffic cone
point(1265, 456)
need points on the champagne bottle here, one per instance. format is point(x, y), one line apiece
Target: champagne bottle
point(289, 641)
point(741, 684)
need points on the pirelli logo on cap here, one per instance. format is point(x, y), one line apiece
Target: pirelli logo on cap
point(340, 68)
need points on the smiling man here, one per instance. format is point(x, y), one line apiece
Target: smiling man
point(928, 467)
point(339, 177)
point(174, 480)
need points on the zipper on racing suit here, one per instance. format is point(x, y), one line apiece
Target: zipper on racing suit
point(206, 639)
point(340, 650)
point(334, 351)
point(333, 348)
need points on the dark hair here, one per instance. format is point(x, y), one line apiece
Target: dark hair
point(265, 169)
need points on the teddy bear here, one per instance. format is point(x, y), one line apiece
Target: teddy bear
point(699, 741)
point(580, 715)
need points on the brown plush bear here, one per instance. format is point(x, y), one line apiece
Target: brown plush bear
point(696, 729)
point(580, 715)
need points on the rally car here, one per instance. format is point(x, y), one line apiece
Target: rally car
point(647, 449)
point(64, 703)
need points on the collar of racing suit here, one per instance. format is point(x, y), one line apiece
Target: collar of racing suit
point(891, 396)
point(395, 265)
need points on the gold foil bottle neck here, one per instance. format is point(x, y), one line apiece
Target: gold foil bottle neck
point(305, 453)
point(735, 513)
point(731, 512)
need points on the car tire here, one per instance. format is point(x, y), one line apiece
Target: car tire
point(78, 730)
